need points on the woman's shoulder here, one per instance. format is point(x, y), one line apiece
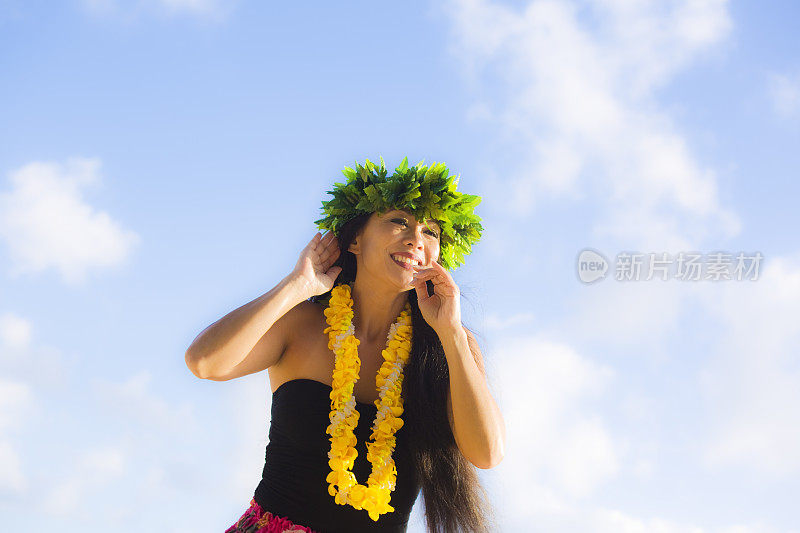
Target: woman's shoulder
point(309, 314)
point(313, 305)
point(304, 343)
point(308, 323)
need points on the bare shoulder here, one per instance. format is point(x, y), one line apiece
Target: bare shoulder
point(310, 312)
point(305, 339)
point(306, 316)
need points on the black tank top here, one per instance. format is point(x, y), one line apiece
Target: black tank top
point(293, 482)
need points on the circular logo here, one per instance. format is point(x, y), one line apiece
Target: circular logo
point(592, 266)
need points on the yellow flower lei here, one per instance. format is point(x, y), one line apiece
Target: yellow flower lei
point(342, 484)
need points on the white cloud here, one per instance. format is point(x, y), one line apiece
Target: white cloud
point(12, 477)
point(15, 333)
point(553, 434)
point(626, 313)
point(103, 463)
point(23, 367)
point(581, 109)
point(547, 511)
point(497, 322)
point(784, 92)
point(92, 470)
point(561, 517)
point(135, 399)
point(151, 461)
point(752, 381)
point(34, 364)
point(45, 222)
point(559, 451)
point(16, 398)
point(250, 400)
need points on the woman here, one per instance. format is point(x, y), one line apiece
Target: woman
point(350, 454)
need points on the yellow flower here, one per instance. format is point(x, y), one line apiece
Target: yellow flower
point(357, 496)
point(375, 496)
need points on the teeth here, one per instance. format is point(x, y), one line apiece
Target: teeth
point(405, 260)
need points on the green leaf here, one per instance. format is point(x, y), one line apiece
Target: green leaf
point(373, 194)
point(403, 165)
point(469, 200)
point(349, 173)
point(364, 173)
point(365, 204)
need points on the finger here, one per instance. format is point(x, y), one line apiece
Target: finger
point(441, 270)
point(329, 256)
point(310, 248)
point(333, 272)
point(422, 290)
point(319, 241)
point(439, 282)
point(429, 274)
point(326, 252)
point(438, 267)
point(332, 243)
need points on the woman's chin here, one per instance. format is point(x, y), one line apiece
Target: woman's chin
point(407, 282)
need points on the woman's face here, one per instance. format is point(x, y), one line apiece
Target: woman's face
point(388, 239)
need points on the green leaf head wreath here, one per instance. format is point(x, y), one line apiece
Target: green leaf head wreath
point(426, 192)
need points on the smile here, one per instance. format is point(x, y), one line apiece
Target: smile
point(408, 264)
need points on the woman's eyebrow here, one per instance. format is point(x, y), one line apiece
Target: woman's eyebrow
point(430, 220)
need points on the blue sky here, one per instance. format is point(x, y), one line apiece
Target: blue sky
point(162, 163)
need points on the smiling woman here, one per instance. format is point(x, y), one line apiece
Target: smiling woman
point(384, 238)
point(371, 298)
point(406, 259)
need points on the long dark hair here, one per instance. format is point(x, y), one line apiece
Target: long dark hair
point(453, 496)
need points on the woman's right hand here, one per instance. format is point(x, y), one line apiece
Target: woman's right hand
point(314, 265)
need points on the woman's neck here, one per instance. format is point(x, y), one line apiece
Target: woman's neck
point(375, 310)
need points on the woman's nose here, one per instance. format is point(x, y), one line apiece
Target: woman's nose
point(416, 238)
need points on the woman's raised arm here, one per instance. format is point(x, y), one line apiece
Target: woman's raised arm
point(253, 337)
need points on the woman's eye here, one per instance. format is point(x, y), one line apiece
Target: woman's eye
point(403, 221)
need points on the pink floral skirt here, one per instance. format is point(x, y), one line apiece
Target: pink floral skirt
point(256, 520)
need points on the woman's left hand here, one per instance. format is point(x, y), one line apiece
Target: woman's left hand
point(442, 309)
